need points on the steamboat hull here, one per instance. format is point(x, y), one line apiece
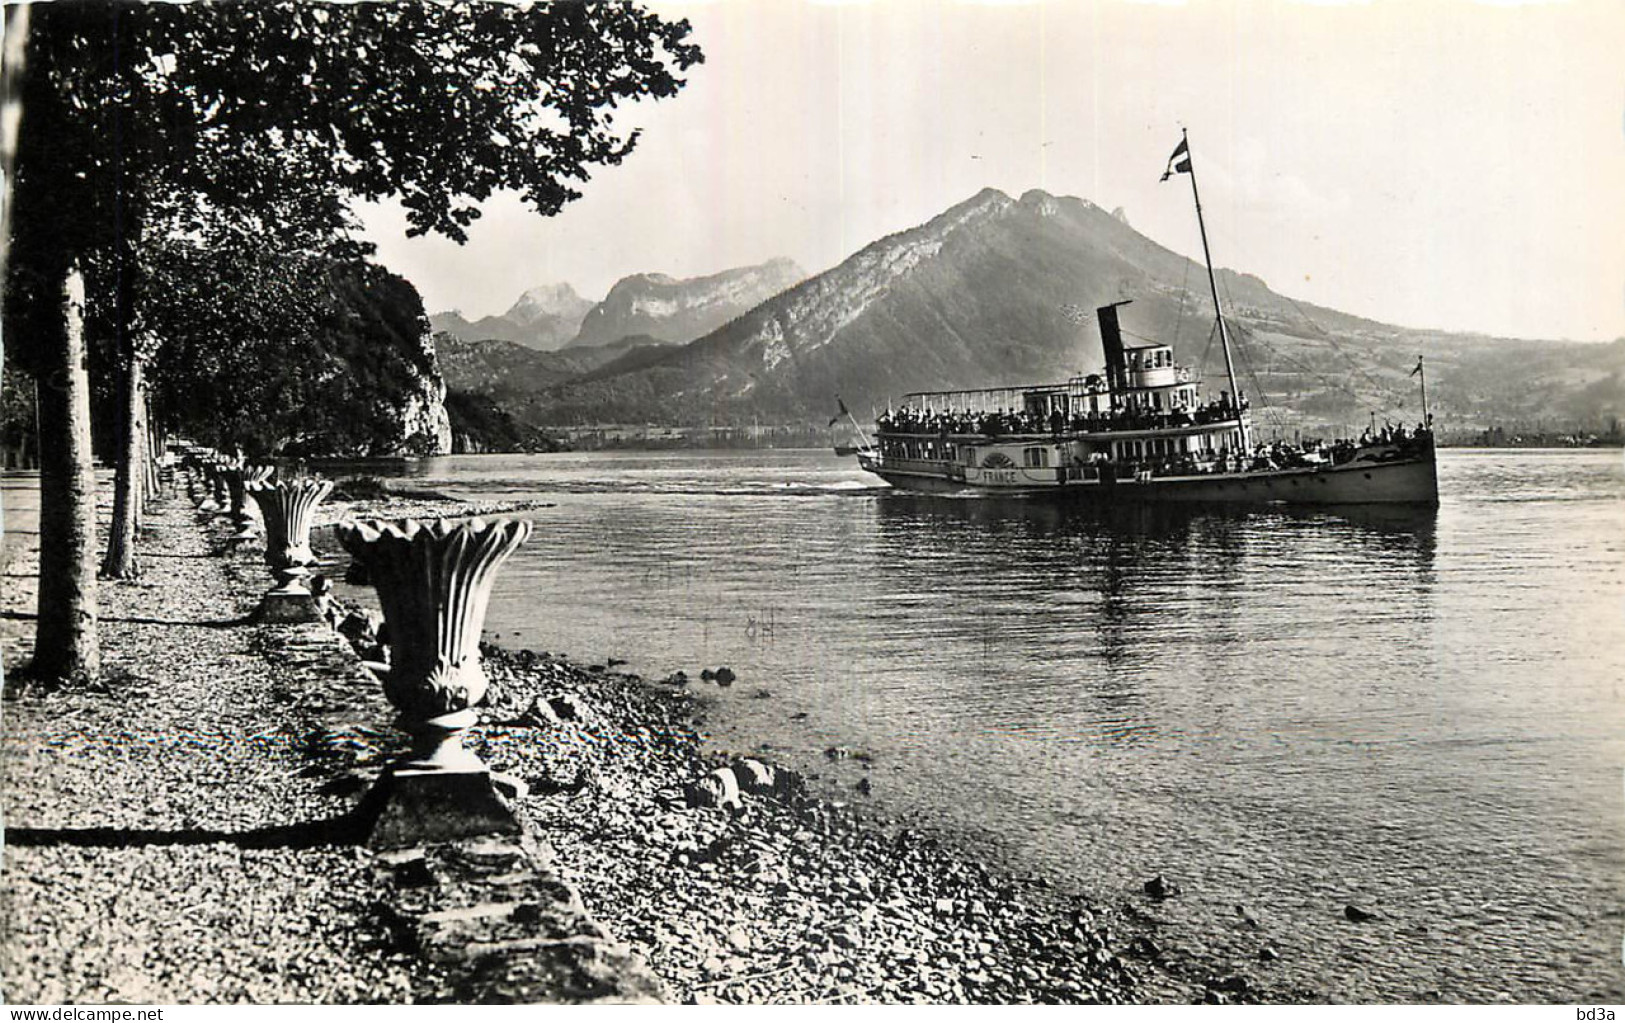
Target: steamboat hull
point(1412, 481)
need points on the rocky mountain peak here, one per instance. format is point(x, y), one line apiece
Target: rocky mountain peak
point(547, 300)
point(812, 315)
point(1041, 202)
point(634, 282)
point(679, 310)
point(543, 318)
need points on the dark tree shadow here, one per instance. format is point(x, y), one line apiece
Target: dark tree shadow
point(350, 829)
point(215, 623)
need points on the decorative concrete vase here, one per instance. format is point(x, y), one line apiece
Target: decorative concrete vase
point(220, 498)
point(238, 479)
point(287, 508)
point(207, 469)
point(189, 469)
point(434, 582)
point(194, 484)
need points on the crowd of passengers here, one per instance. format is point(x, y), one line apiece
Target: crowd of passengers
point(1264, 457)
point(1005, 423)
point(1275, 455)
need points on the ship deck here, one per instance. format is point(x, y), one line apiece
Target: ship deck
point(1408, 480)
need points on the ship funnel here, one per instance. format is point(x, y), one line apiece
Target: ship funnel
point(1111, 343)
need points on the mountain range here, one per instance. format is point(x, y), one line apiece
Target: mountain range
point(680, 311)
point(650, 307)
point(998, 291)
point(544, 318)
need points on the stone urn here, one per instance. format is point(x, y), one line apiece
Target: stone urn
point(287, 508)
point(219, 479)
point(434, 582)
point(238, 478)
point(189, 469)
point(194, 485)
point(208, 467)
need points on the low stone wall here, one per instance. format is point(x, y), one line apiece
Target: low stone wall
point(488, 918)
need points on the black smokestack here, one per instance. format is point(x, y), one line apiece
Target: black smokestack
point(1111, 343)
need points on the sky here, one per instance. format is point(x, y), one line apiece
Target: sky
point(1451, 164)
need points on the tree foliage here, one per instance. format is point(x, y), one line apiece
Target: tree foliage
point(288, 353)
point(143, 120)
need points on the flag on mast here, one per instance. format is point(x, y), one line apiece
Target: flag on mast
point(1418, 368)
point(837, 416)
point(1182, 166)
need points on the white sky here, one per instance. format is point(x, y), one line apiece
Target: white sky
point(1432, 163)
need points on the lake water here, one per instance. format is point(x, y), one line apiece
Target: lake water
point(1418, 713)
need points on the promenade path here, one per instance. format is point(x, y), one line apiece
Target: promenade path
point(176, 832)
point(154, 823)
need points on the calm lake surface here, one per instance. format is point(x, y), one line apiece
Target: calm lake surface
point(1420, 714)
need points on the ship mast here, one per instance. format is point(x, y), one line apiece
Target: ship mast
point(1427, 419)
point(1212, 282)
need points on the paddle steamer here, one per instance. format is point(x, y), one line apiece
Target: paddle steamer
point(1140, 431)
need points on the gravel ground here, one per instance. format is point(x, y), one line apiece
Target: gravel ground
point(147, 857)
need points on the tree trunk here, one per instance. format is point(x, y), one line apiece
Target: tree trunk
point(138, 462)
point(154, 450)
point(138, 468)
point(129, 476)
point(11, 114)
point(143, 493)
point(65, 644)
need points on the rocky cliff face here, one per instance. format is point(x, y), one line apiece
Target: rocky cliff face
point(544, 318)
point(678, 311)
point(791, 329)
point(425, 426)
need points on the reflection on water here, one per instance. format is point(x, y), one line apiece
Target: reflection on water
point(1417, 712)
point(1089, 603)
